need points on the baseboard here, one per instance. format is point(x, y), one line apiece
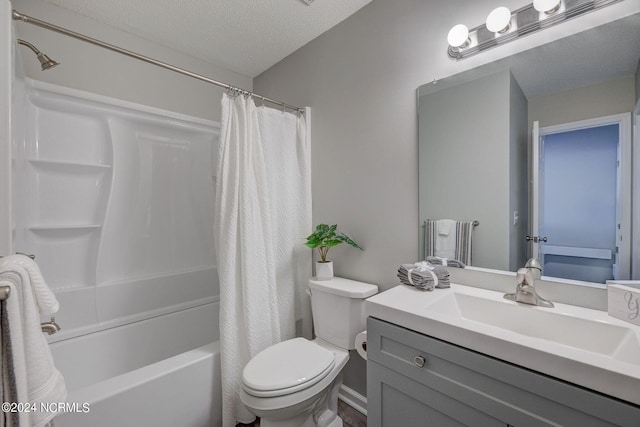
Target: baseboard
point(353, 399)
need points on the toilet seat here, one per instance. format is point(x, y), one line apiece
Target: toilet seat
point(287, 367)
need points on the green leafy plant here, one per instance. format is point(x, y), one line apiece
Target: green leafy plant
point(326, 237)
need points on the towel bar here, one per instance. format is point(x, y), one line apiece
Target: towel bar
point(4, 292)
point(475, 223)
point(32, 256)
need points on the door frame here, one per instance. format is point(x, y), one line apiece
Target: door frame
point(635, 228)
point(624, 234)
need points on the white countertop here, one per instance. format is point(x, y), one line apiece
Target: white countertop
point(522, 339)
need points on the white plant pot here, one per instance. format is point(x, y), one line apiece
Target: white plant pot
point(324, 270)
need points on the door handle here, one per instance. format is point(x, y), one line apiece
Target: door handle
point(536, 239)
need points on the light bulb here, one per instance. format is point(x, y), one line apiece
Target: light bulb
point(458, 36)
point(499, 19)
point(546, 6)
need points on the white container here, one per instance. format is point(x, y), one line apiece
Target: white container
point(623, 302)
point(324, 270)
point(338, 309)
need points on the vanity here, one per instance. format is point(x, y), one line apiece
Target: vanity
point(467, 356)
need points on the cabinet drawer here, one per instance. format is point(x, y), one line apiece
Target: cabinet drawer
point(507, 392)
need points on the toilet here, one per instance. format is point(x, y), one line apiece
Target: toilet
point(295, 383)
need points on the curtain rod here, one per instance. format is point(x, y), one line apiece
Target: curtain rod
point(30, 20)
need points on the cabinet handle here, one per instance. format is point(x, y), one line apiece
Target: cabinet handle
point(419, 361)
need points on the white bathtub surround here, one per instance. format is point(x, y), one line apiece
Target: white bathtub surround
point(263, 208)
point(37, 381)
point(117, 204)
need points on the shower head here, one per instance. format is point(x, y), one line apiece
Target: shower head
point(45, 61)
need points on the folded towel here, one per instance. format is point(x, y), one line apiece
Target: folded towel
point(445, 262)
point(424, 276)
point(37, 379)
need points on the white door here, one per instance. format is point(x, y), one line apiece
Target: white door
point(581, 199)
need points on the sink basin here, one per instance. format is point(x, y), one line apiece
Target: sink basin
point(549, 324)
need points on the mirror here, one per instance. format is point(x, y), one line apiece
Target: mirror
point(475, 144)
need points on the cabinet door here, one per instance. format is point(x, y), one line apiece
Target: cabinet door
point(395, 400)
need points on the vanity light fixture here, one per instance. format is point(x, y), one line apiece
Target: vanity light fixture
point(502, 25)
point(458, 36)
point(499, 20)
point(547, 6)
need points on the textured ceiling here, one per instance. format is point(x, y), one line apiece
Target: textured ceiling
point(245, 36)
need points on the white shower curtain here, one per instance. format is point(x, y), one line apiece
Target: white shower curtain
point(263, 211)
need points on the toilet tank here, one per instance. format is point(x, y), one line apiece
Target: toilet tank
point(338, 309)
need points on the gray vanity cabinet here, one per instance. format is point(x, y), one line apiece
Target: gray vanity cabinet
point(416, 380)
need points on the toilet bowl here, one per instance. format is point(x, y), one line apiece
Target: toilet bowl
point(295, 383)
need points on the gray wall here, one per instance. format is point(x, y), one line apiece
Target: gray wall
point(94, 69)
point(360, 80)
point(611, 97)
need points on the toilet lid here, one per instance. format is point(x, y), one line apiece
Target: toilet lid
point(286, 367)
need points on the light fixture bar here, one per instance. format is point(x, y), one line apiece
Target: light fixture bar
point(527, 20)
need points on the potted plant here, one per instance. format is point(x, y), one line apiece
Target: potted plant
point(322, 239)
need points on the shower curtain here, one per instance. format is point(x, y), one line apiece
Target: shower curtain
point(263, 211)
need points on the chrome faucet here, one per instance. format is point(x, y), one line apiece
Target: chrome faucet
point(525, 288)
point(50, 327)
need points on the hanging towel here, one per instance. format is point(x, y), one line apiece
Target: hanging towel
point(424, 276)
point(463, 242)
point(8, 386)
point(37, 379)
point(446, 238)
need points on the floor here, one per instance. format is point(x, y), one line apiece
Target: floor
point(350, 417)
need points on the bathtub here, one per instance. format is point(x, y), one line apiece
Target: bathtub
point(162, 371)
